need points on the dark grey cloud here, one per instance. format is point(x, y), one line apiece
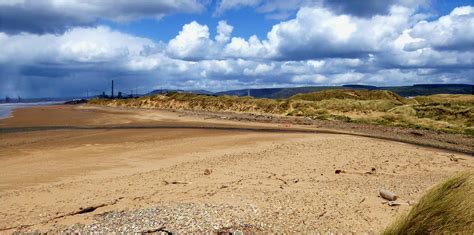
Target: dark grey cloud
point(47, 16)
point(369, 8)
point(320, 50)
point(362, 8)
point(69, 80)
point(282, 9)
point(41, 19)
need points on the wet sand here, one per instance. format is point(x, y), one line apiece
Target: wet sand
point(187, 173)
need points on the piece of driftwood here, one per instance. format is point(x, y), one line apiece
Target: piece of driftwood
point(81, 210)
point(156, 231)
point(395, 203)
point(454, 159)
point(388, 195)
point(175, 182)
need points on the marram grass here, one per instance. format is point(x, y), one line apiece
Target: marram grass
point(448, 208)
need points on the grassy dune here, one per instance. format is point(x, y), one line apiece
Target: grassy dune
point(446, 209)
point(449, 113)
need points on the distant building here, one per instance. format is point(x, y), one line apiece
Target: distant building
point(103, 95)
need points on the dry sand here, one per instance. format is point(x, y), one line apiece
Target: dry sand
point(100, 169)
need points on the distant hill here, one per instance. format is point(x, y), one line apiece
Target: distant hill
point(360, 87)
point(406, 91)
point(163, 91)
point(275, 93)
point(430, 89)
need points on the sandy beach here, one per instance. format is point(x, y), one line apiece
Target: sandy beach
point(87, 168)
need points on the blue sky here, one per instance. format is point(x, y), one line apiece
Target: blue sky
point(246, 20)
point(246, 23)
point(64, 48)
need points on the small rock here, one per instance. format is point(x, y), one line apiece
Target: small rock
point(388, 195)
point(207, 172)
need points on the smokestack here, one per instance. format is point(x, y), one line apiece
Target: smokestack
point(112, 93)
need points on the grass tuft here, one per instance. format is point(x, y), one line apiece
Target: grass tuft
point(446, 209)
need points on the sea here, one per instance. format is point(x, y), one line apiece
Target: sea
point(7, 108)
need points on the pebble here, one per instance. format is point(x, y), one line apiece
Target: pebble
point(176, 218)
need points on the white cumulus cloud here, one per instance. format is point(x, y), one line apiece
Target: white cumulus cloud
point(451, 32)
point(192, 42)
point(224, 31)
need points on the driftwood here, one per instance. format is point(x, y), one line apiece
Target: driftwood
point(454, 159)
point(81, 210)
point(156, 230)
point(175, 182)
point(395, 203)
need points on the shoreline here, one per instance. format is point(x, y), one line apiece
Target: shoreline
point(6, 109)
point(428, 138)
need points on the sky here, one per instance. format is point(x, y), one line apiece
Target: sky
point(59, 48)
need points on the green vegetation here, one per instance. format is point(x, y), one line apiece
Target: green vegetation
point(349, 94)
point(415, 90)
point(446, 209)
point(449, 113)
